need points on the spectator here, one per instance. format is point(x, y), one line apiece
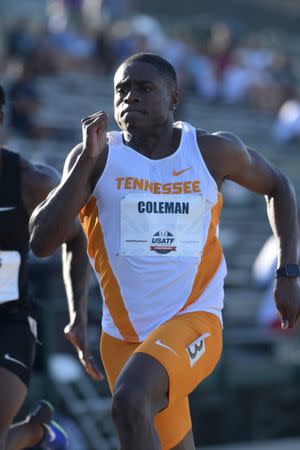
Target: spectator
point(20, 40)
point(287, 124)
point(24, 102)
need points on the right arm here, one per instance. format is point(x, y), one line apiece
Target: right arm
point(52, 221)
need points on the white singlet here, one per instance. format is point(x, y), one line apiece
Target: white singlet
point(152, 229)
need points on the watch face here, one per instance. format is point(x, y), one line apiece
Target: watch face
point(289, 270)
point(293, 270)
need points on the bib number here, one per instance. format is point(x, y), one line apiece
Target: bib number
point(153, 225)
point(10, 262)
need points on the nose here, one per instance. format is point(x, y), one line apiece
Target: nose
point(131, 97)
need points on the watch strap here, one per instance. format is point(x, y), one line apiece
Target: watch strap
point(288, 271)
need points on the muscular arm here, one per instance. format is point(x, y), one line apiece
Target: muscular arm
point(248, 168)
point(229, 158)
point(51, 222)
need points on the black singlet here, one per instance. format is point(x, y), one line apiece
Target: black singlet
point(14, 218)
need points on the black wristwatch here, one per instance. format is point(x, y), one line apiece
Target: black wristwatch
point(288, 270)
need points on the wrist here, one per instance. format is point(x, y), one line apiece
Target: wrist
point(86, 158)
point(78, 317)
point(288, 271)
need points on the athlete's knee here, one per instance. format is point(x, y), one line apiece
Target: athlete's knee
point(130, 404)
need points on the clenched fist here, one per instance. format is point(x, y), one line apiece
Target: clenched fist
point(94, 137)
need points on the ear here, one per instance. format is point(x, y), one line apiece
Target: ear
point(174, 100)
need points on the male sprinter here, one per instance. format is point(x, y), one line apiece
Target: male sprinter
point(149, 203)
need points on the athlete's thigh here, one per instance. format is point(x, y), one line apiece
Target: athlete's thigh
point(12, 393)
point(188, 347)
point(134, 371)
point(120, 366)
point(114, 355)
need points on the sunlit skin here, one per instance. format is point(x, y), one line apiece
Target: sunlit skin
point(144, 102)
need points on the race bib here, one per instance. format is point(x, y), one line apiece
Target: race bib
point(153, 225)
point(9, 275)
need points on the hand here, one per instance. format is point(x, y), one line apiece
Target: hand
point(94, 137)
point(287, 300)
point(75, 333)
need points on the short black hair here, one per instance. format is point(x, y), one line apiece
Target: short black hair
point(162, 65)
point(2, 97)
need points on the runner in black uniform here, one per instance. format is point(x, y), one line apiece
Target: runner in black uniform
point(23, 186)
point(16, 346)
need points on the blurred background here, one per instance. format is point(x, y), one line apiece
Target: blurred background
point(239, 70)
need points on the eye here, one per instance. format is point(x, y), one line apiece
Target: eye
point(121, 90)
point(147, 89)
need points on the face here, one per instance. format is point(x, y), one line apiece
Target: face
point(142, 98)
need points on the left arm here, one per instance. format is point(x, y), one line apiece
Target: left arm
point(248, 168)
point(76, 277)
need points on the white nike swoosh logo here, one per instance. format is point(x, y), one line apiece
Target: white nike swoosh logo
point(10, 358)
point(7, 208)
point(52, 435)
point(158, 342)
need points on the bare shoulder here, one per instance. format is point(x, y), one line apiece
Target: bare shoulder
point(220, 140)
point(230, 140)
point(220, 151)
point(42, 177)
point(199, 132)
point(38, 179)
point(38, 174)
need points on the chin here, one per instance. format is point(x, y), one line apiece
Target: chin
point(133, 125)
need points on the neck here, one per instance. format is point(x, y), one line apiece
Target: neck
point(155, 144)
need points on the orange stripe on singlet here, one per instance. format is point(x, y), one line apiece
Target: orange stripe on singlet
point(111, 290)
point(211, 257)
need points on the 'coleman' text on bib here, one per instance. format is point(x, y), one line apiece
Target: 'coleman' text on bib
point(154, 225)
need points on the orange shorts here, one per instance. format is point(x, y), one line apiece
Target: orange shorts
point(188, 347)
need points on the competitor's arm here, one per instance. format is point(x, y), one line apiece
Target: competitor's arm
point(37, 181)
point(76, 277)
point(52, 220)
point(248, 168)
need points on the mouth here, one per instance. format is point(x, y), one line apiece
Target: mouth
point(132, 111)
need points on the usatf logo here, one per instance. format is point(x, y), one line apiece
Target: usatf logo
point(196, 349)
point(163, 242)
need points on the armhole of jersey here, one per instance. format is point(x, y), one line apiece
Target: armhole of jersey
point(202, 160)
